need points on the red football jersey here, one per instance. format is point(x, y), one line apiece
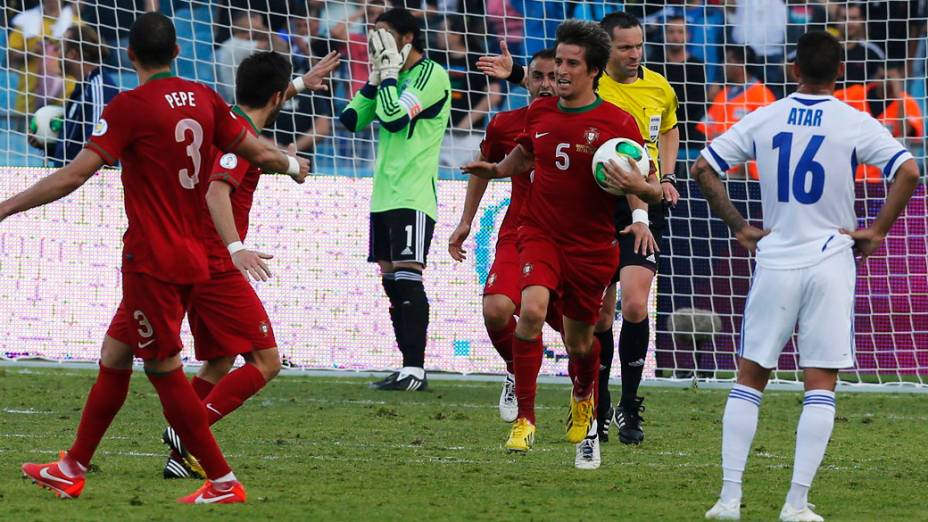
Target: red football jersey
point(500, 139)
point(565, 200)
point(243, 177)
point(163, 133)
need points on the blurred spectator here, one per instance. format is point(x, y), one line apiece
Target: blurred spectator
point(761, 25)
point(803, 16)
point(112, 20)
point(274, 14)
point(706, 30)
point(249, 34)
point(898, 25)
point(864, 60)
point(33, 53)
point(686, 74)
point(504, 21)
point(83, 57)
point(740, 95)
point(887, 101)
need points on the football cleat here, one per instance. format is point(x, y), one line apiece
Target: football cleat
point(405, 383)
point(791, 514)
point(508, 405)
point(604, 424)
point(176, 468)
point(521, 437)
point(212, 493)
point(582, 416)
point(588, 456)
point(725, 511)
point(173, 441)
point(628, 419)
point(50, 476)
point(386, 380)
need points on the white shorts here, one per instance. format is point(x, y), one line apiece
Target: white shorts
point(819, 297)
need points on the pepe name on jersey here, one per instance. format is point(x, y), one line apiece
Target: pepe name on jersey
point(804, 117)
point(180, 99)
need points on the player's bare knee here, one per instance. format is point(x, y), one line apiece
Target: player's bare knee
point(215, 369)
point(115, 354)
point(497, 312)
point(605, 320)
point(634, 311)
point(266, 361)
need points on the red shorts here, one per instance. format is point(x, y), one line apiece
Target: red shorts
point(578, 279)
point(150, 315)
point(505, 278)
point(227, 318)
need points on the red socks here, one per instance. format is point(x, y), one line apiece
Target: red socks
point(202, 387)
point(502, 341)
point(527, 357)
point(584, 371)
point(232, 391)
point(103, 403)
point(186, 414)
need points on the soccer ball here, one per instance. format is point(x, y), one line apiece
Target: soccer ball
point(47, 123)
point(622, 151)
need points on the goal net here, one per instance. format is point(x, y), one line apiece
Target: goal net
point(59, 265)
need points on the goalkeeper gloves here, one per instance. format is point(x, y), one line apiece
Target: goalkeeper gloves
point(387, 59)
point(373, 57)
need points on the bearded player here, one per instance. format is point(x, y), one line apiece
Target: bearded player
point(226, 316)
point(162, 157)
point(567, 245)
point(501, 294)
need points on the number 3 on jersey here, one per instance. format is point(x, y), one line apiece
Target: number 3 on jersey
point(193, 150)
point(807, 166)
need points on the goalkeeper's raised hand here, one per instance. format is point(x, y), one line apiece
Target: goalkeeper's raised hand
point(374, 49)
point(390, 60)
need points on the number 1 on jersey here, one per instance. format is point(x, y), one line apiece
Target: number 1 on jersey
point(807, 165)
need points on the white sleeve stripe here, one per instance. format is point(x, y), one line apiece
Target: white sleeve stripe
point(411, 104)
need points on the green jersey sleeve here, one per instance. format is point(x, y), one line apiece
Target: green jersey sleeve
point(361, 110)
point(426, 87)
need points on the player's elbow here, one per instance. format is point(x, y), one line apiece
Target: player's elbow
point(216, 193)
point(349, 118)
point(395, 125)
point(907, 173)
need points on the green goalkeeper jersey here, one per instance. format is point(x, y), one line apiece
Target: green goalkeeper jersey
point(413, 112)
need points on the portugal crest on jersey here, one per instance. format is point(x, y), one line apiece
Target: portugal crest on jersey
point(527, 269)
point(591, 135)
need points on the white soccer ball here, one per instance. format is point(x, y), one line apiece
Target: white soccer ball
point(46, 123)
point(622, 151)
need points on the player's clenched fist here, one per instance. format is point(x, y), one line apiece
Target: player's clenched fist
point(252, 265)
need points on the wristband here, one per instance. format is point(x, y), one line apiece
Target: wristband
point(669, 178)
point(298, 84)
point(294, 167)
point(517, 74)
point(640, 215)
point(235, 246)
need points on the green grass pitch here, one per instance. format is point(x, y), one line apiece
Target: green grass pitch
point(330, 449)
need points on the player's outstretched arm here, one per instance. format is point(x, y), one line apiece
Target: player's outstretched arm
point(476, 188)
point(516, 162)
point(868, 240)
point(249, 262)
point(715, 193)
point(315, 78)
point(54, 186)
point(264, 154)
point(501, 66)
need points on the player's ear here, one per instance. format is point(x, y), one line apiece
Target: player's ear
point(795, 67)
point(176, 51)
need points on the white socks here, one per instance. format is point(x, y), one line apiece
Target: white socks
point(812, 434)
point(418, 373)
point(225, 479)
point(738, 427)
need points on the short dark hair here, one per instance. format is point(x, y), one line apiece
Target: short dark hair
point(594, 40)
point(621, 19)
point(818, 55)
point(404, 22)
point(547, 53)
point(152, 38)
point(260, 76)
point(86, 42)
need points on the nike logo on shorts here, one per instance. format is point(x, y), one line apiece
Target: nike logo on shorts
point(146, 343)
point(541, 134)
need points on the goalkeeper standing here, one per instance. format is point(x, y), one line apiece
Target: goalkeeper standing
point(411, 97)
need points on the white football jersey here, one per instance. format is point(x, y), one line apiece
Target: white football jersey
point(807, 149)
